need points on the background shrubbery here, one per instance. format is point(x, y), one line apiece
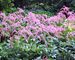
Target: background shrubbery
point(6, 5)
point(47, 5)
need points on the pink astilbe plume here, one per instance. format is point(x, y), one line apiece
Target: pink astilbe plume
point(35, 25)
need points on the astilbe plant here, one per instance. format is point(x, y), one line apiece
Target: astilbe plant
point(37, 26)
point(26, 32)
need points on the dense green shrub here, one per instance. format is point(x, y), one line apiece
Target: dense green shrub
point(6, 5)
point(48, 5)
point(21, 50)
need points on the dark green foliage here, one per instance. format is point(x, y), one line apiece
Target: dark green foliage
point(6, 5)
point(47, 5)
point(56, 50)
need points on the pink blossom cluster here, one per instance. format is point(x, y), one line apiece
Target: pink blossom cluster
point(17, 24)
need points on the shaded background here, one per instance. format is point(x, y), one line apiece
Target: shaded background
point(33, 5)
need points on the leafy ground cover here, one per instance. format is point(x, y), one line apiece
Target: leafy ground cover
point(37, 36)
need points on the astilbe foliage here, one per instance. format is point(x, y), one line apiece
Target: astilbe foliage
point(17, 24)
